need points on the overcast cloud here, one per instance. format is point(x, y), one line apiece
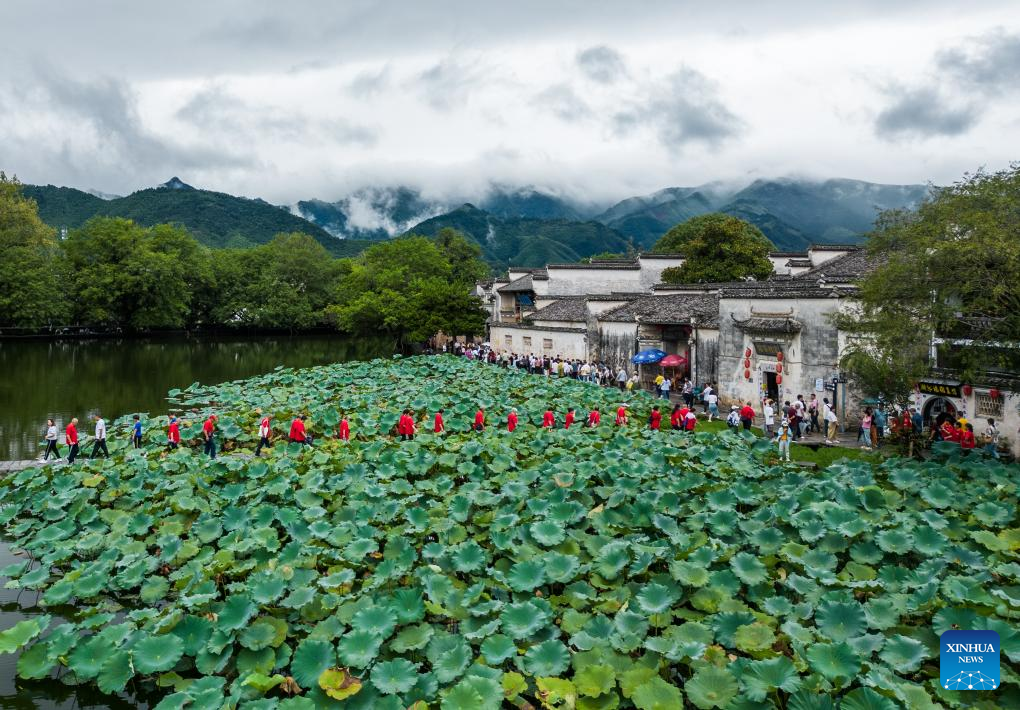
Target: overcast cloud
point(598, 100)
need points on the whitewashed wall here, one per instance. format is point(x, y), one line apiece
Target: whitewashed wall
point(564, 344)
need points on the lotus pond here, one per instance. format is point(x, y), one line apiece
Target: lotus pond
point(588, 568)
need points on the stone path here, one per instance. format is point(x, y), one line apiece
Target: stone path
point(14, 466)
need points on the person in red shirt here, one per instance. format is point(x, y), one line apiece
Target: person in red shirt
point(298, 435)
point(405, 426)
point(173, 433)
point(438, 427)
point(967, 440)
point(594, 417)
point(948, 431)
point(71, 436)
point(747, 416)
point(511, 420)
point(655, 419)
point(569, 419)
point(479, 420)
point(548, 419)
point(690, 420)
point(621, 415)
point(676, 419)
point(344, 431)
point(265, 432)
point(209, 435)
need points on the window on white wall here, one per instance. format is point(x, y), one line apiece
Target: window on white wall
point(547, 343)
point(527, 342)
point(508, 341)
point(985, 406)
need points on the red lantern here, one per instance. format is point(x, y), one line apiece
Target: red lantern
point(779, 368)
point(747, 374)
point(967, 389)
point(747, 353)
point(779, 356)
point(747, 363)
point(993, 393)
point(779, 379)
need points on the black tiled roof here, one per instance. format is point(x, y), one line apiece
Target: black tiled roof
point(758, 324)
point(660, 256)
point(834, 247)
point(849, 267)
point(619, 265)
point(788, 254)
point(680, 308)
point(799, 263)
point(565, 309)
point(523, 284)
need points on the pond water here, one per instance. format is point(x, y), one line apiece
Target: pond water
point(76, 378)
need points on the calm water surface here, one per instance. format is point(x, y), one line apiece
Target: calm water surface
point(76, 378)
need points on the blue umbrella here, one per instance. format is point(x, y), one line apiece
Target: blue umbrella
point(646, 357)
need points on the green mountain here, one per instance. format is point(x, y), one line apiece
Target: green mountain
point(526, 241)
point(792, 213)
point(215, 218)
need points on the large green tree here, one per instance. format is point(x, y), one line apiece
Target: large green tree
point(946, 278)
point(716, 247)
point(31, 292)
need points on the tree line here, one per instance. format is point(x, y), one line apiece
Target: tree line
point(114, 274)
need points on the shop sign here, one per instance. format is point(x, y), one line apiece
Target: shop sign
point(939, 388)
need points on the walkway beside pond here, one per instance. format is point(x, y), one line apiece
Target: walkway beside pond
point(14, 466)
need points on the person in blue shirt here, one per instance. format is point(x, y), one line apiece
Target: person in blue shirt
point(916, 420)
point(136, 433)
point(879, 421)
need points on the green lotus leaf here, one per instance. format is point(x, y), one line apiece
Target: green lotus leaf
point(358, 649)
point(450, 656)
point(298, 598)
point(268, 590)
point(866, 699)
point(835, 661)
point(549, 658)
point(895, 541)
point(263, 683)
point(657, 694)
point(262, 661)
point(497, 648)
point(903, 654)
point(21, 633)
point(235, 613)
point(754, 637)
point(748, 569)
point(34, 662)
point(412, 638)
point(339, 684)
point(468, 557)
point(762, 677)
point(115, 673)
point(595, 680)
point(560, 567)
point(522, 619)
point(194, 632)
point(711, 687)
point(462, 697)
point(258, 635)
point(154, 589)
point(312, 658)
point(689, 574)
point(655, 598)
point(840, 620)
point(397, 676)
point(547, 532)
point(378, 620)
point(155, 654)
point(526, 576)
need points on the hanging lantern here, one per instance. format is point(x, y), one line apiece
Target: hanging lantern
point(747, 363)
point(779, 368)
point(779, 379)
point(747, 374)
point(993, 393)
point(967, 389)
point(747, 353)
point(779, 356)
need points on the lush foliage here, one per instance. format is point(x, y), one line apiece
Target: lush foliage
point(552, 568)
point(115, 273)
point(717, 247)
point(952, 269)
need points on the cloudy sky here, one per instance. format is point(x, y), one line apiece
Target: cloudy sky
point(594, 99)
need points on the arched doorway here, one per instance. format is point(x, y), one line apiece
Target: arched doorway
point(935, 407)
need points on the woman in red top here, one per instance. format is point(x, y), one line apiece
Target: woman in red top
point(967, 438)
point(479, 420)
point(676, 419)
point(594, 417)
point(209, 435)
point(71, 437)
point(747, 416)
point(297, 430)
point(438, 426)
point(621, 415)
point(690, 420)
point(173, 433)
point(344, 431)
point(405, 426)
point(948, 431)
point(569, 419)
point(655, 419)
point(548, 419)
point(511, 420)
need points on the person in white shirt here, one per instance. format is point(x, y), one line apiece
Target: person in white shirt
point(52, 437)
point(770, 416)
point(733, 420)
point(831, 437)
point(621, 378)
point(586, 372)
point(712, 405)
point(100, 444)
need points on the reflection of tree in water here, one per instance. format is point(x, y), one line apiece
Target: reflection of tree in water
point(61, 379)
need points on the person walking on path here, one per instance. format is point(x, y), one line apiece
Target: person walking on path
point(770, 417)
point(136, 432)
point(621, 415)
point(687, 392)
point(991, 439)
point(812, 408)
point(511, 420)
point(438, 425)
point(51, 440)
point(712, 404)
point(209, 436)
point(173, 433)
point(298, 434)
point(832, 424)
point(783, 437)
point(71, 437)
point(100, 444)
point(621, 378)
point(594, 418)
point(866, 429)
point(344, 430)
point(665, 387)
point(569, 419)
point(747, 416)
point(655, 418)
point(265, 433)
point(405, 426)
point(548, 419)
point(479, 424)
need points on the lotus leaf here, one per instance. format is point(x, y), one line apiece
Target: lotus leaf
point(339, 684)
point(656, 694)
point(155, 654)
point(397, 676)
point(358, 648)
